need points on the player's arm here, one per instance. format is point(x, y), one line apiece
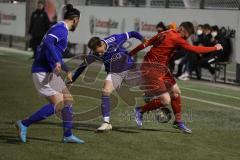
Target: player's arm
point(49, 42)
point(88, 60)
point(180, 42)
point(134, 34)
point(143, 45)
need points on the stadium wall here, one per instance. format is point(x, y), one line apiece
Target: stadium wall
point(103, 21)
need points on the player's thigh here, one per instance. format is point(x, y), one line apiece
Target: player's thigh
point(112, 82)
point(153, 85)
point(169, 80)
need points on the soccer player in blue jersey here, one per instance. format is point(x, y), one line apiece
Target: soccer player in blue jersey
point(45, 71)
point(117, 64)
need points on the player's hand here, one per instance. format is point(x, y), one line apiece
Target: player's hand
point(144, 41)
point(219, 47)
point(58, 68)
point(69, 76)
point(69, 81)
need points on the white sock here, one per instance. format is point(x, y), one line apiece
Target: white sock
point(106, 119)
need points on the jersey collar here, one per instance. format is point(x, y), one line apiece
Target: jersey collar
point(105, 43)
point(65, 25)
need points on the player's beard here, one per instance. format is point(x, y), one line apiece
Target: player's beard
point(73, 28)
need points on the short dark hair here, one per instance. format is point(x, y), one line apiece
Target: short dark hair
point(70, 12)
point(94, 42)
point(215, 28)
point(207, 26)
point(161, 25)
point(188, 26)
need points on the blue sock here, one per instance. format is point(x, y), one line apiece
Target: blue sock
point(41, 114)
point(67, 117)
point(106, 108)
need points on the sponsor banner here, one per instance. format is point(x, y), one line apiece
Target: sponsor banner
point(12, 19)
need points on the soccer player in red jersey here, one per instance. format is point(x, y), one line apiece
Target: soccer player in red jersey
point(158, 82)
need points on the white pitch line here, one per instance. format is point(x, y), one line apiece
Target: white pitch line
point(210, 93)
point(202, 101)
point(211, 102)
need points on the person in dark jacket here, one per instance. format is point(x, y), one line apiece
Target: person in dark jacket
point(39, 25)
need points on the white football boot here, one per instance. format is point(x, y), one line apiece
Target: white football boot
point(104, 127)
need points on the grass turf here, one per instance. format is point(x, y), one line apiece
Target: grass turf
point(216, 129)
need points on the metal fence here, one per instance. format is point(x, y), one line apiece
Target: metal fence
point(203, 4)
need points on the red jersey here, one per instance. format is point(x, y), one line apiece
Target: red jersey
point(164, 44)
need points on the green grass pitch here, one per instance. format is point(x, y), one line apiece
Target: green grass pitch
point(212, 112)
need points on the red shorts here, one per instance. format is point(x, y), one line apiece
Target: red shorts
point(156, 79)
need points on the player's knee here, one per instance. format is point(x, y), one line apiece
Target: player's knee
point(68, 98)
point(166, 100)
point(59, 107)
point(175, 93)
point(106, 91)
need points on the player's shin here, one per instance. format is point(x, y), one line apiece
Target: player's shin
point(176, 107)
point(67, 117)
point(106, 108)
point(41, 114)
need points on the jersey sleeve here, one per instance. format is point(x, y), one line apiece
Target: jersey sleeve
point(50, 40)
point(180, 42)
point(144, 45)
point(58, 33)
point(87, 61)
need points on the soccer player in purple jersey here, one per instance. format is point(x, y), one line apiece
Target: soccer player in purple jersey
point(45, 71)
point(117, 62)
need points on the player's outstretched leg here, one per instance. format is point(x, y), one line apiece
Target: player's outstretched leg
point(162, 101)
point(41, 114)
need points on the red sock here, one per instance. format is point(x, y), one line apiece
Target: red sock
point(152, 105)
point(176, 107)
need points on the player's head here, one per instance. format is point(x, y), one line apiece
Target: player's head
point(40, 5)
point(97, 45)
point(186, 29)
point(72, 15)
point(161, 27)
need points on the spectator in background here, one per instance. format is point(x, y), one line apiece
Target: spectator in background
point(209, 60)
point(218, 37)
point(39, 25)
point(205, 39)
point(161, 27)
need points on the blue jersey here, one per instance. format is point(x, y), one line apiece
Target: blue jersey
point(50, 51)
point(116, 58)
